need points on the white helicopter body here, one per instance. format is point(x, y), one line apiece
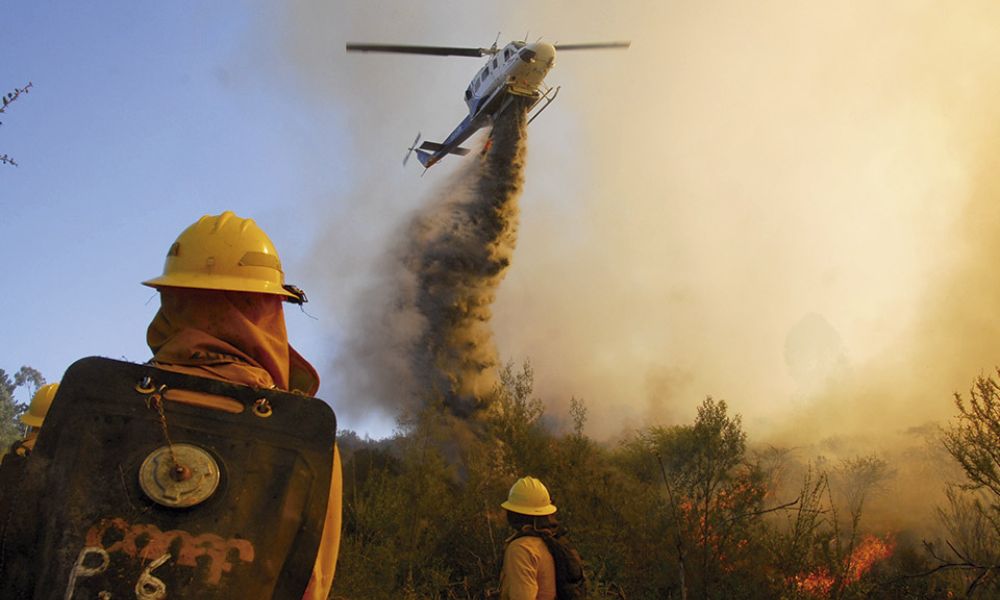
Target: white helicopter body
point(516, 70)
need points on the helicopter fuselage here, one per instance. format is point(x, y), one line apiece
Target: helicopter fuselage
point(517, 69)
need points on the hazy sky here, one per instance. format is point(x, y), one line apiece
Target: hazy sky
point(763, 202)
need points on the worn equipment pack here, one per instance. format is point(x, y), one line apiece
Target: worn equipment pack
point(133, 491)
point(571, 583)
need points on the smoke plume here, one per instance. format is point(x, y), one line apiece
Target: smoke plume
point(789, 206)
point(425, 331)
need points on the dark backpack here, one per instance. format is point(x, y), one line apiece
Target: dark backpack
point(93, 518)
point(571, 584)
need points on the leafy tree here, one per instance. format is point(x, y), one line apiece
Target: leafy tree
point(713, 496)
point(10, 429)
point(30, 377)
point(972, 516)
point(10, 409)
point(974, 439)
point(514, 420)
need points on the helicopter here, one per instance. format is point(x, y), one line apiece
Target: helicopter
point(516, 70)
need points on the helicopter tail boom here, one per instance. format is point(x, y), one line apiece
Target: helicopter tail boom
point(426, 158)
point(436, 147)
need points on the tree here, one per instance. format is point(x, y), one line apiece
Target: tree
point(514, 419)
point(29, 377)
point(972, 516)
point(10, 409)
point(970, 557)
point(974, 439)
point(9, 99)
point(713, 496)
point(10, 431)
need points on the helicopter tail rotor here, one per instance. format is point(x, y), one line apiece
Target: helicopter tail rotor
point(416, 141)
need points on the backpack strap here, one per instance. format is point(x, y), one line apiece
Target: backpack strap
point(529, 531)
point(571, 583)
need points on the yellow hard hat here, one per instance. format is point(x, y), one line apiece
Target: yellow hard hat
point(40, 404)
point(529, 497)
point(225, 252)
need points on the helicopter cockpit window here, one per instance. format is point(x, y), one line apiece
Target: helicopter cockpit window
point(468, 93)
point(526, 55)
point(506, 54)
point(494, 63)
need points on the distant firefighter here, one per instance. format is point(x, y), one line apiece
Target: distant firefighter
point(538, 562)
point(13, 462)
point(32, 419)
point(35, 416)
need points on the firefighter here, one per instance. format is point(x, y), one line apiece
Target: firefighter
point(32, 419)
point(13, 463)
point(221, 317)
point(529, 571)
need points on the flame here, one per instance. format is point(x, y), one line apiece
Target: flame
point(703, 523)
point(819, 583)
point(869, 551)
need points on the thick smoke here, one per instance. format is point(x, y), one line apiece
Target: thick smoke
point(785, 205)
point(425, 330)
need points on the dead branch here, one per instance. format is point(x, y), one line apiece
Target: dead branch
point(10, 97)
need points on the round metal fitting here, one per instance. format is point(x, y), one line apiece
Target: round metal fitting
point(262, 408)
point(188, 482)
point(146, 386)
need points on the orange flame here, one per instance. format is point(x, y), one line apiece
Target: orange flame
point(869, 551)
point(819, 583)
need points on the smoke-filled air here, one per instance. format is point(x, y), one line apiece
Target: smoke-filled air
point(787, 206)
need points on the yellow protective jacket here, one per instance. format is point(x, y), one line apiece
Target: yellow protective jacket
point(240, 337)
point(529, 573)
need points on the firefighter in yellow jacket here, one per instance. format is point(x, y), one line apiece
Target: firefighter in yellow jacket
point(221, 317)
point(529, 572)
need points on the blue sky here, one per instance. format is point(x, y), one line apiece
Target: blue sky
point(139, 120)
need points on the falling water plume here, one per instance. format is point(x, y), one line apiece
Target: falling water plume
point(428, 335)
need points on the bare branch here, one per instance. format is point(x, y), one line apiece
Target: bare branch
point(6, 101)
point(10, 97)
point(765, 511)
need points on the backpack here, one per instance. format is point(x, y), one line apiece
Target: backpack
point(97, 514)
point(571, 583)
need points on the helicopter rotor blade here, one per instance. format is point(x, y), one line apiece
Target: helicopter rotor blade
point(593, 46)
point(431, 50)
